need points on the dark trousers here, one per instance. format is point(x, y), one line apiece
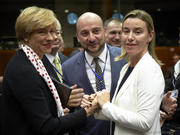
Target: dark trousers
point(170, 128)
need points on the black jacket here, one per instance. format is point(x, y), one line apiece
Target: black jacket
point(49, 66)
point(28, 105)
point(176, 116)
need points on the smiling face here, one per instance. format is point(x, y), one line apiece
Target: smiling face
point(41, 40)
point(58, 41)
point(135, 38)
point(36, 27)
point(90, 33)
point(113, 34)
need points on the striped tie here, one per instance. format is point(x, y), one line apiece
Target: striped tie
point(99, 72)
point(58, 67)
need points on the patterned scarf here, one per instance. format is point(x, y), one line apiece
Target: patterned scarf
point(37, 63)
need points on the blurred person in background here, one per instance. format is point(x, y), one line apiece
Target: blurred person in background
point(113, 28)
point(77, 47)
point(49, 63)
point(172, 124)
point(1, 80)
point(169, 73)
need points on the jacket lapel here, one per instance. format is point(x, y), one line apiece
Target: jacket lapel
point(116, 67)
point(114, 72)
point(83, 81)
point(62, 57)
point(125, 85)
point(132, 77)
point(49, 68)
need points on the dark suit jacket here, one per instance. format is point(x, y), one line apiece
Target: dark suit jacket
point(176, 117)
point(74, 72)
point(169, 76)
point(49, 67)
point(28, 105)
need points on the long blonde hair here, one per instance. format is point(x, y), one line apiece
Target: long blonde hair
point(144, 16)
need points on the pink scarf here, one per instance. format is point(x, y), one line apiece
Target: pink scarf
point(37, 63)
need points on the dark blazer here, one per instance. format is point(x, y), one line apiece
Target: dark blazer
point(74, 72)
point(49, 67)
point(169, 76)
point(178, 82)
point(74, 52)
point(176, 116)
point(28, 105)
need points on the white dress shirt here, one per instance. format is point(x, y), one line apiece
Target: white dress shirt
point(107, 72)
point(177, 69)
point(51, 58)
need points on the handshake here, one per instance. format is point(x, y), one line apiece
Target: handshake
point(91, 103)
point(94, 102)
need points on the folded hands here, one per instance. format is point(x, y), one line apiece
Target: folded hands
point(95, 102)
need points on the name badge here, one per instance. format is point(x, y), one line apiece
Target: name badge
point(174, 93)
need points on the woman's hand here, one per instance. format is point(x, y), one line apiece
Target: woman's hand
point(66, 111)
point(86, 102)
point(103, 97)
point(93, 107)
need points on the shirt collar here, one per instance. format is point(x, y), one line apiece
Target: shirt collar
point(51, 57)
point(102, 56)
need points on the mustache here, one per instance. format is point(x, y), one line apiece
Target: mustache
point(91, 43)
point(117, 40)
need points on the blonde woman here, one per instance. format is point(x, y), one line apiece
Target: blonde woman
point(136, 102)
point(31, 104)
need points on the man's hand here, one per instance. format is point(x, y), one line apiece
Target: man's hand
point(163, 117)
point(169, 104)
point(75, 97)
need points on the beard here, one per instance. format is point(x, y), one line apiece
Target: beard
point(95, 51)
